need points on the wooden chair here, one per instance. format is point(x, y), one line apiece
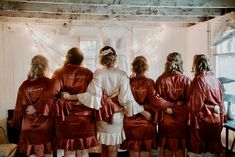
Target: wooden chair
point(7, 149)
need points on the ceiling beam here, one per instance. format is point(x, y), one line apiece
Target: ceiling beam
point(91, 23)
point(111, 10)
point(85, 17)
point(179, 3)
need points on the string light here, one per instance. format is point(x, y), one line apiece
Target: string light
point(147, 43)
point(38, 45)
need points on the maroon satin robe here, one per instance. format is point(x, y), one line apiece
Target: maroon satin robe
point(75, 124)
point(205, 125)
point(140, 133)
point(34, 139)
point(173, 87)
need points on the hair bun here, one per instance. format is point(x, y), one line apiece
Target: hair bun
point(108, 56)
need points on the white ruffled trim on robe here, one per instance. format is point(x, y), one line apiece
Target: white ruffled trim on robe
point(111, 138)
point(132, 108)
point(90, 100)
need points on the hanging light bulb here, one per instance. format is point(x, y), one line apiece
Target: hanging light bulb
point(65, 28)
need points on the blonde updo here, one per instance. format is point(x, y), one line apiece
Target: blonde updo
point(39, 65)
point(108, 57)
point(201, 63)
point(139, 65)
point(174, 63)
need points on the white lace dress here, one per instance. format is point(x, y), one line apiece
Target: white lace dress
point(115, 83)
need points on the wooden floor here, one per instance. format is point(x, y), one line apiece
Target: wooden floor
point(122, 154)
point(154, 154)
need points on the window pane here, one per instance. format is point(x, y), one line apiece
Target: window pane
point(225, 64)
point(89, 48)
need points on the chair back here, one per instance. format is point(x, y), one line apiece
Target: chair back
point(6, 149)
point(3, 136)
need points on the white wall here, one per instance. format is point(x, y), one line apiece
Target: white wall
point(173, 39)
point(197, 43)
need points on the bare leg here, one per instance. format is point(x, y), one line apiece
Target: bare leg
point(145, 154)
point(211, 155)
point(60, 152)
point(85, 153)
point(69, 153)
point(134, 154)
point(104, 151)
point(112, 150)
point(168, 153)
point(45, 155)
point(82, 153)
point(180, 153)
point(190, 154)
point(48, 155)
point(160, 152)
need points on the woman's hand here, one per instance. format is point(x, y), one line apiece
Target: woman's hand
point(169, 111)
point(147, 115)
point(30, 110)
point(67, 96)
point(179, 103)
point(217, 109)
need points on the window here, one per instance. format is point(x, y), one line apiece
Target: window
point(225, 69)
point(89, 48)
point(225, 63)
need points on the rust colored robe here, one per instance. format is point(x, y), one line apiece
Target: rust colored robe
point(34, 139)
point(173, 87)
point(206, 125)
point(140, 133)
point(75, 124)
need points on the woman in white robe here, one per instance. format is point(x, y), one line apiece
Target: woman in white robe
point(115, 84)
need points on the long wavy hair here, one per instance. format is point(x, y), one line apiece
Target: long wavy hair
point(201, 63)
point(74, 56)
point(39, 65)
point(107, 57)
point(139, 65)
point(174, 63)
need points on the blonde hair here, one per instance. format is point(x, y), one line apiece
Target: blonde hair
point(201, 63)
point(108, 56)
point(139, 65)
point(39, 65)
point(174, 62)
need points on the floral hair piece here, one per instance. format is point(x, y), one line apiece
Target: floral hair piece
point(105, 52)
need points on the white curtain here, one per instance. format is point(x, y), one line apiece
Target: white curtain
point(54, 41)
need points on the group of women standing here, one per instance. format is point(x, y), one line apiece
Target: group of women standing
point(78, 109)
